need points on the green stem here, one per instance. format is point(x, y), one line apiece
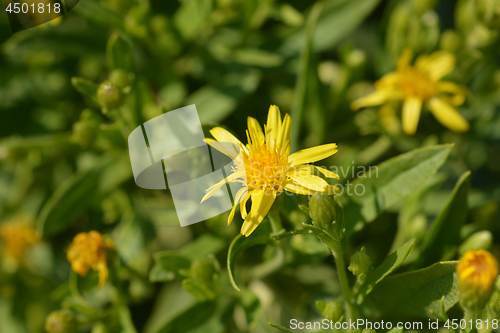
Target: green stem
point(73, 287)
point(344, 284)
point(274, 217)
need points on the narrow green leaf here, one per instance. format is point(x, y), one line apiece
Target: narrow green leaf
point(188, 320)
point(445, 230)
point(260, 236)
point(94, 12)
point(70, 199)
point(86, 87)
point(126, 320)
point(416, 293)
point(256, 57)
point(306, 66)
point(389, 183)
point(119, 54)
point(339, 18)
point(391, 263)
point(281, 328)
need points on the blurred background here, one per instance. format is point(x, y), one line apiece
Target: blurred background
point(72, 90)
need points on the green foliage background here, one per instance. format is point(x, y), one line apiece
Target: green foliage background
point(64, 161)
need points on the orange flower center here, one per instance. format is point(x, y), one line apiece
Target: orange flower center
point(416, 83)
point(265, 169)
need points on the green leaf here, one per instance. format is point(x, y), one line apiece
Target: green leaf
point(444, 234)
point(167, 267)
point(119, 54)
point(389, 183)
point(240, 243)
point(70, 199)
point(416, 293)
point(203, 246)
point(199, 289)
point(391, 263)
point(126, 320)
point(168, 263)
point(338, 19)
point(307, 65)
point(94, 12)
point(86, 87)
point(190, 319)
point(214, 103)
point(411, 208)
point(192, 17)
point(256, 57)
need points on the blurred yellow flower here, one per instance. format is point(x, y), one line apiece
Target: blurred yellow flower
point(266, 167)
point(88, 250)
point(420, 84)
point(477, 272)
point(16, 239)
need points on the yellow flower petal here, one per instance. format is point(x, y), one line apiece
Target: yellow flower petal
point(447, 115)
point(388, 118)
point(411, 114)
point(311, 182)
point(243, 206)
point(214, 188)
point(102, 269)
point(237, 199)
point(312, 154)
point(222, 135)
point(457, 93)
point(273, 126)
point(255, 131)
point(285, 131)
point(328, 173)
point(262, 201)
point(292, 186)
point(378, 97)
point(437, 64)
point(388, 80)
point(226, 148)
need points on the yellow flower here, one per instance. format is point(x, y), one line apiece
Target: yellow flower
point(88, 250)
point(417, 85)
point(16, 239)
point(477, 272)
point(266, 168)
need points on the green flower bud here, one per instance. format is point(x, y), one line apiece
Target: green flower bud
point(495, 300)
point(450, 41)
point(356, 58)
point(99, 328)
point(120, 78)
point(332, 310)
point(323, 212)
point(61, 321)
point(205, 269)
point(109, 95)
point(360, 263)
point(478, 240)
point(85, 130)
